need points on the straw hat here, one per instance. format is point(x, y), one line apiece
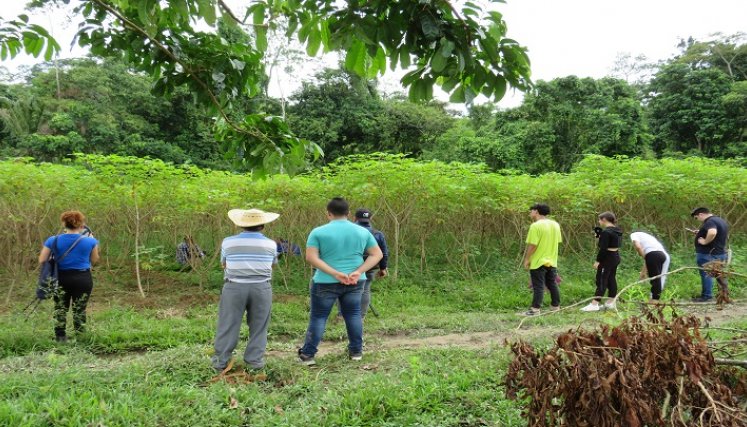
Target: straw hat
point(251, 217)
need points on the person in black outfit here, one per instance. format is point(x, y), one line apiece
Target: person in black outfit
point(75, 250)
point(608, 258)
point(710, 245)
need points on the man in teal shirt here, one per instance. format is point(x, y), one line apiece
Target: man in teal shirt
point(336, 251)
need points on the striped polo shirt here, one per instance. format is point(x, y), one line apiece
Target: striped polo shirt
point(249, 257)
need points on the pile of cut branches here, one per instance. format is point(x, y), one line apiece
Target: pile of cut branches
point(648, 371)
point(719, 270)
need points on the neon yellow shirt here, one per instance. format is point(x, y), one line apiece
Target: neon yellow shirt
point(545, 234)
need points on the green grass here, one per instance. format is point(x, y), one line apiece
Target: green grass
point(426, 387)
point(146, 362)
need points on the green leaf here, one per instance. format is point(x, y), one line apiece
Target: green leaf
point(449, 84)
point(258, 14)
point(207, 11)
point(472, 5)
point(499, 87)
point(457, 96)
point(181, 7)
point(413, 94)
point(260, 34)
point(412, 76)
point(393, 59)
point(314, 41)
point(378, 65)
point(404, 58)
point(325, 35)
point(355, 60)
point(447, 47)
point(429, 26)
point(491, 49)
point(438, 62)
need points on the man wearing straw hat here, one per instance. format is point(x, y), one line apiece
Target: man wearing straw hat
point(248, 259)
point(336, 251)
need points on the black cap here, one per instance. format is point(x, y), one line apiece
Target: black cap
point(363, 215)
point(699, 210)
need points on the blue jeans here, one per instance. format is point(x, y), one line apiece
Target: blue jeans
point(365, 297)
point(323, 297)
point(706, 281)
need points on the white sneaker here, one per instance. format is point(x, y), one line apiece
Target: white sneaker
point(591, 307)
point(610, 305)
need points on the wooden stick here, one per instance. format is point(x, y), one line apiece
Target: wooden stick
point(730, 362)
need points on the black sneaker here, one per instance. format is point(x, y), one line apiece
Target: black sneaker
point(61, 338)
point(702, 299)
point(305, 359)
point(356, 356)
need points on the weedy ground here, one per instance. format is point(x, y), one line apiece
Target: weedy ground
point(435, 355)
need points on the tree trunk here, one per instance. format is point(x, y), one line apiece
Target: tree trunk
point(137, 242)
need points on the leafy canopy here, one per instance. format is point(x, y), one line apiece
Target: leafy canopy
point(463, 50)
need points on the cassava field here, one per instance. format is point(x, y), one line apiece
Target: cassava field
point(435, 355)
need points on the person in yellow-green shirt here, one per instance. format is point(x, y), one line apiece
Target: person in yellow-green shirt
point(541, 257)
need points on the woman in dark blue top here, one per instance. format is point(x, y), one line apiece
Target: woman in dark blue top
point(76, 250)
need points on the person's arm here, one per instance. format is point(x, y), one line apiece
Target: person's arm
point(533, 240)
point(710, 235)
point(95, 257)
point(385, 256)
point(639, 249)
point(374, 256)
point(528, 255)
point(44, 255)
point(313, 258)
point(604, 242)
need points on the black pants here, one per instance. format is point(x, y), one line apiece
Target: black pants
point(654, 265)
point(541, 277)
point(606, 275)
point(75, 288)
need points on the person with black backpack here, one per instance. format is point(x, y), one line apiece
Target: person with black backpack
point(74, 252)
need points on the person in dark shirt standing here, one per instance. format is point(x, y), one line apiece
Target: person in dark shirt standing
point(608, 258)
point(188, 252)
point(363, 218)
point(710, 245)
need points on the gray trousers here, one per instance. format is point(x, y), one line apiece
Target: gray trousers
point(366, 296)
point(256, 300)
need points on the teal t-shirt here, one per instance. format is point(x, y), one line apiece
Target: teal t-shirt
point(341, 244)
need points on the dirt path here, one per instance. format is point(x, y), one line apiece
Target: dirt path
point(479, 340)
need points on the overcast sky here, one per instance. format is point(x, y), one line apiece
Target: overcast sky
point(570, 37)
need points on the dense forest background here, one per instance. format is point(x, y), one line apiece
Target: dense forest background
point(694, 104)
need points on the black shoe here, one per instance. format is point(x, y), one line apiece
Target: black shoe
point(702, 299)
point(61, 338)
point(356, 356)
point(305, 359)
